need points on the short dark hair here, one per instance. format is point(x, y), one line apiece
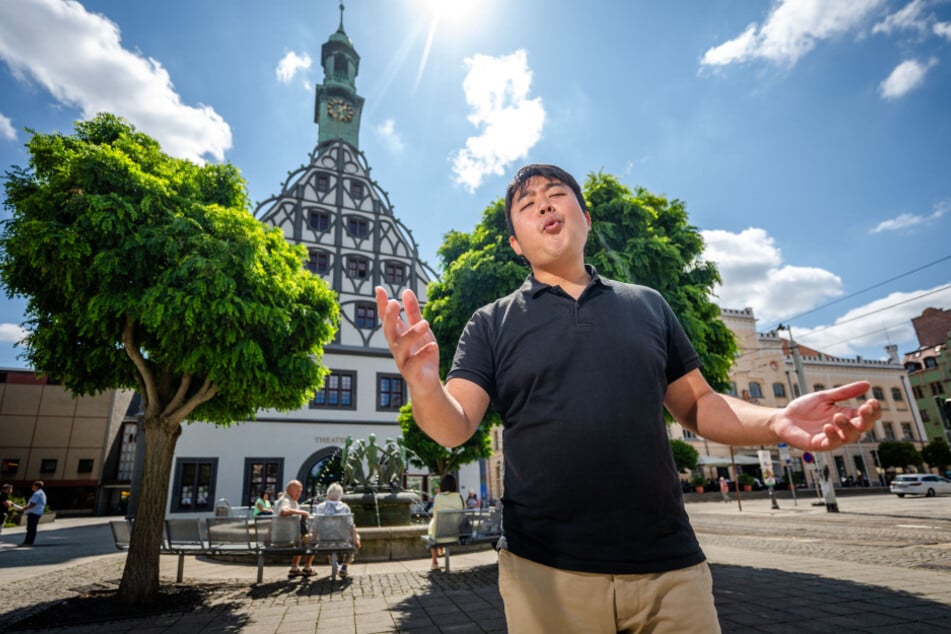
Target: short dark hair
point(448, 484)
point(526, 172)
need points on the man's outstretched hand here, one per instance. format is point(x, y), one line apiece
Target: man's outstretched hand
point(813, 422)
point(411, 341)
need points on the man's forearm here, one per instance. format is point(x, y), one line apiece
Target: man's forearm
point(732, 421)
point(443, 417)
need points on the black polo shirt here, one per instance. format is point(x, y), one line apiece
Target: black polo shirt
point(590, 481)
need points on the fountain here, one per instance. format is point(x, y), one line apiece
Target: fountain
point(372, 477)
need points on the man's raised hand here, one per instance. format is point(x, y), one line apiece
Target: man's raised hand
point(411, 342)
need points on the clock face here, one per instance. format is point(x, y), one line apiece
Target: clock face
point(339, 109)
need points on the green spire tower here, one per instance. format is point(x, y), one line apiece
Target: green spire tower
point(338, 106)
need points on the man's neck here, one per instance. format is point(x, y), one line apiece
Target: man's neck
point(573, 281)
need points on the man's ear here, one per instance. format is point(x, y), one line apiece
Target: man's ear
point(513, 242)
point(587, 216)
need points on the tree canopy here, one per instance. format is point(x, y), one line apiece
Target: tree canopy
point(149, 272)
point(636, 237)
point(685, 455)
point(895, 454)
point(937, 454)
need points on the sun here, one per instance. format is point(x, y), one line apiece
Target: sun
point(453, 11)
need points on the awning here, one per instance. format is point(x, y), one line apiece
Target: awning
point(724, 461)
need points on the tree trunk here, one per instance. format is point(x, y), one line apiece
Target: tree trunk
point(140, 578)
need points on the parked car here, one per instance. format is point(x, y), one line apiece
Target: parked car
point(920, 484)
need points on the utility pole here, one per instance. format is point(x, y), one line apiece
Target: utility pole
point(822, 468)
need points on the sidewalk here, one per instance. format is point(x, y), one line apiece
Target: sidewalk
point(754, 593)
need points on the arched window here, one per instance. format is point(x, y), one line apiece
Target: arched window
point(878, 393)
point(896, 394)
point(756, 391)
point(779, 390)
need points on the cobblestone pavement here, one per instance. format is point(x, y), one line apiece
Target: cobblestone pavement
point(881, 565)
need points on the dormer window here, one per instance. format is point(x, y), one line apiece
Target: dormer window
point(358, 227)
point(358, 267)
point(319, 221)
point(323, 183)
point(394, 272)
point(356, 190)
point(319, 262)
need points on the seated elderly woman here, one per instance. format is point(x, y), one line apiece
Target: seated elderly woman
point(333, 506)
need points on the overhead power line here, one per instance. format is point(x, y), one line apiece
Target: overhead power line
point(865, 290)
point(878, 310)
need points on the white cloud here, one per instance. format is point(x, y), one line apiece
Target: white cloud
point(78, 57)
point(791, 30)
point(887, 319)
point(289, 66)
point(906, 220)
point(387, 132)
point(11, 333)
point(754, 276)
point(942, 29)
point(511, 123)
point(909, 17)
point(904, 78)
point(7, 130)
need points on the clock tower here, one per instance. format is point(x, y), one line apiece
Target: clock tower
point(338, 106)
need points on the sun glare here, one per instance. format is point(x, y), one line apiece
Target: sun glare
point(451, 10)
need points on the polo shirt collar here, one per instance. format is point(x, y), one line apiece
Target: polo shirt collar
point(533, 287)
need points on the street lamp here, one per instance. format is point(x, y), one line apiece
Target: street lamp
point(828, 490)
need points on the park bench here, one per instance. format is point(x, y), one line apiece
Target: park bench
point(463, 527)
point(265, 535)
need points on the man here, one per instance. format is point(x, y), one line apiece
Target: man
point(34, 511)
point(580, 369)
point(334, 506)
point(6, 504)
point(288, 506)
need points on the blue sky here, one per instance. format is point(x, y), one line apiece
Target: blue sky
point(809, 139)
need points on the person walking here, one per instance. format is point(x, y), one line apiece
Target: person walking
point(580, 369)
point(725, 489)
point(34, 510)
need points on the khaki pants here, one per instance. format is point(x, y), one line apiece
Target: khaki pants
point(542, 599)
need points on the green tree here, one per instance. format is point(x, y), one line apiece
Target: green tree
point(425, 452)
point(636, 237)
point(644, 238)
point(685, 455)
point(477, 268)
point(149, 272)
point(894, 454)
point(937, 454)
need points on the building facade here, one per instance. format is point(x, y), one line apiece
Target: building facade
point(71, 443)
point(765, 373)
point(332, 206)
point(929, 371)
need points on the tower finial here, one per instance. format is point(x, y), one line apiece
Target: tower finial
point(341, 17)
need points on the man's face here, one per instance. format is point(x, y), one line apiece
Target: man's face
point(294, 491)
point(550, 226)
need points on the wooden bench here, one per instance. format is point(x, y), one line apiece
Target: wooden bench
point(464, 527)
